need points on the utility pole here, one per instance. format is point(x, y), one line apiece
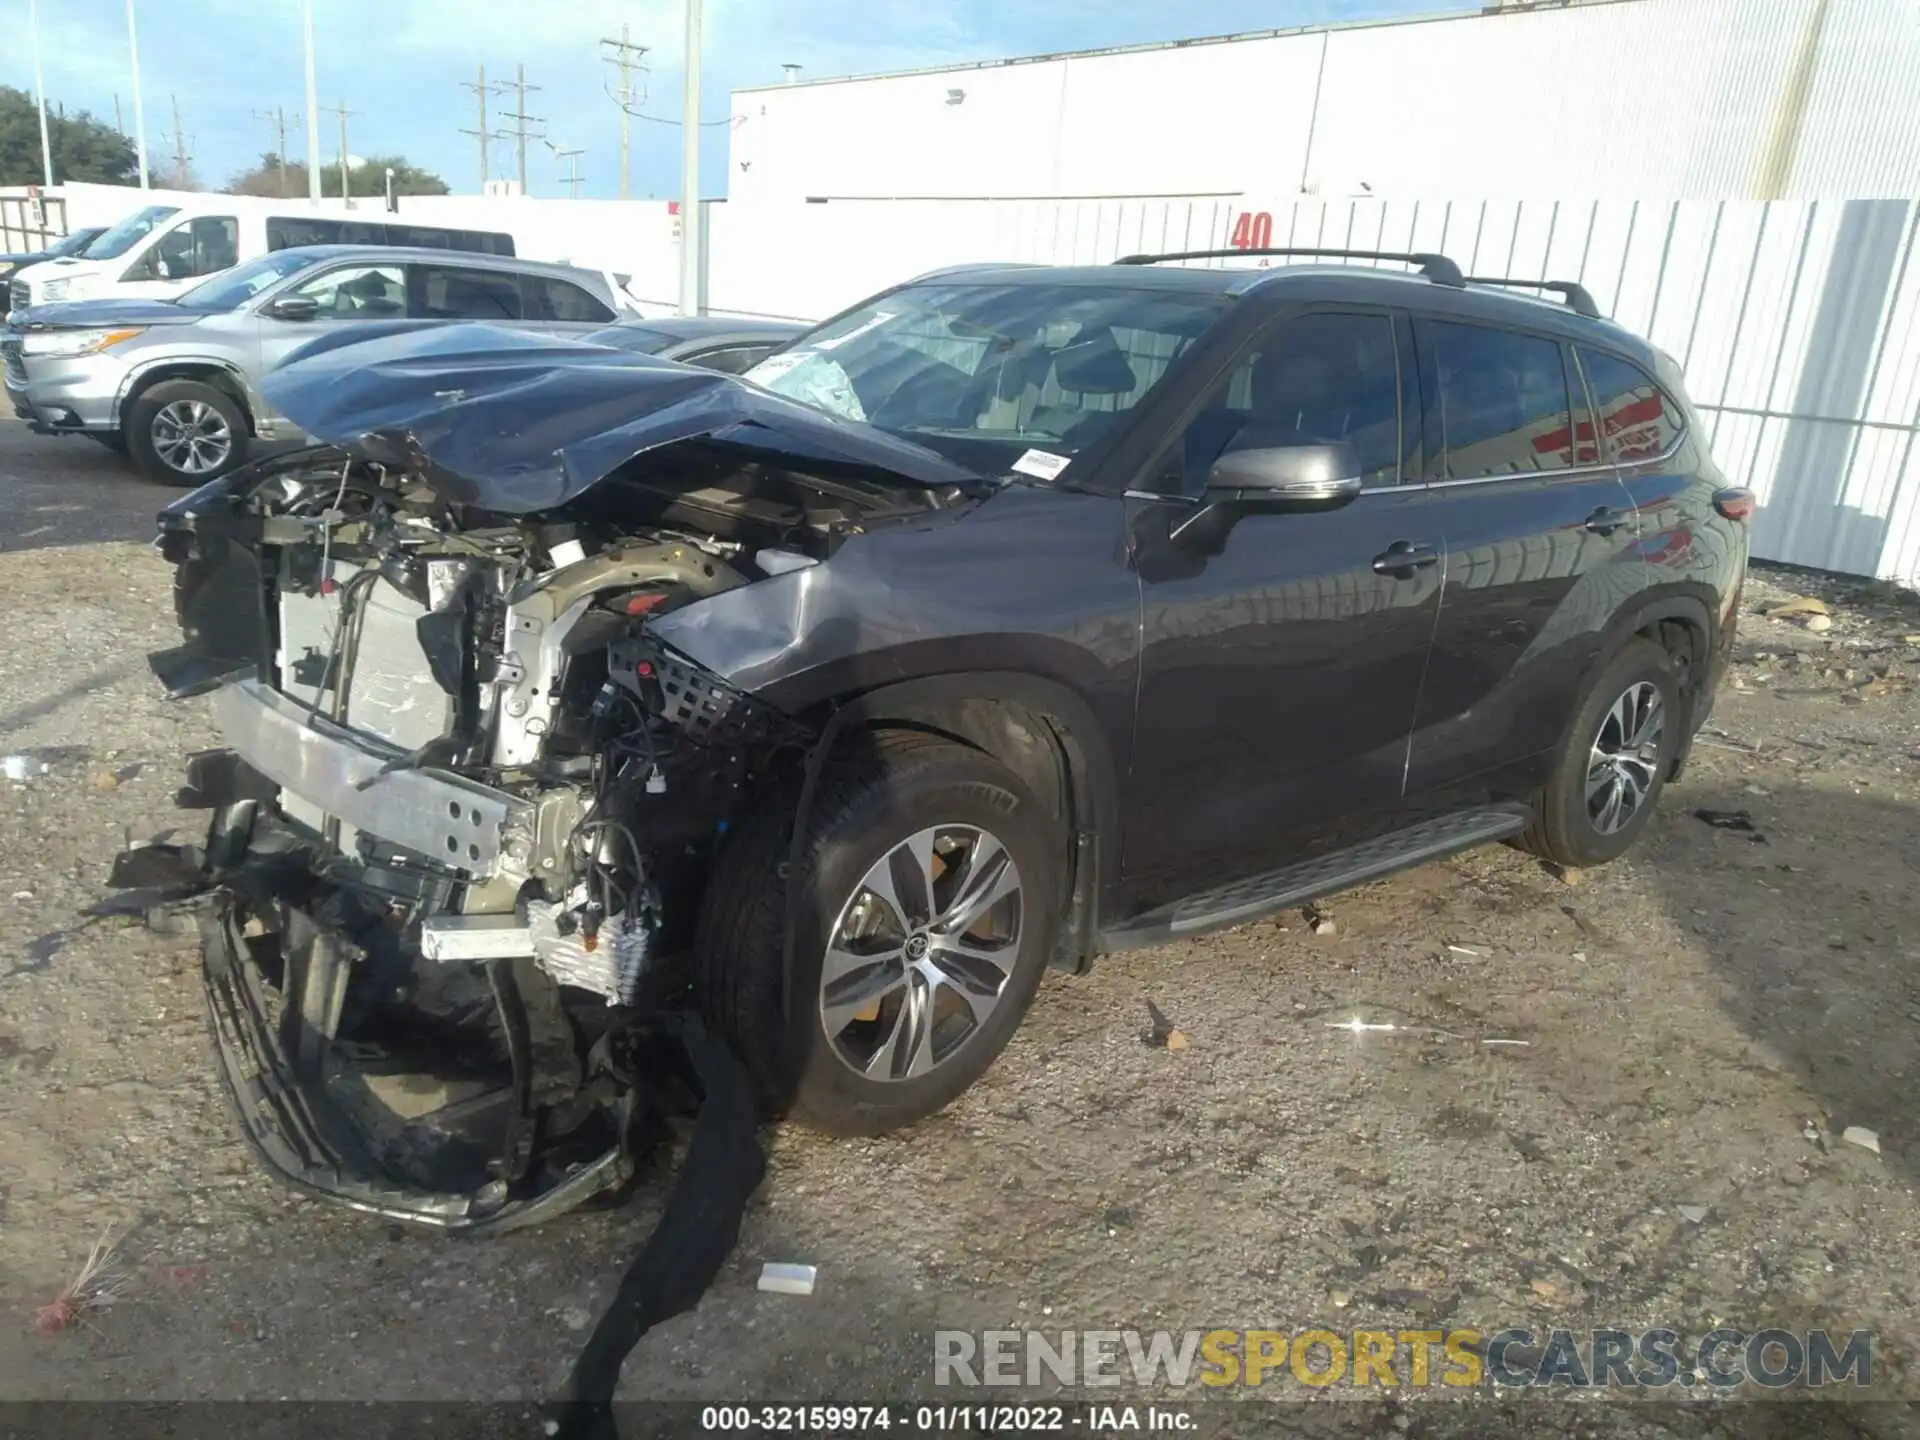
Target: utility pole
point(277, 118)
point(313, 114)
point(139, 114)
point(630, 60)
point(119, 124)
point(572, 157)
point(690, 170)
point(521, 120)
point(181, 174)
point(485, 133)
point(341, 110)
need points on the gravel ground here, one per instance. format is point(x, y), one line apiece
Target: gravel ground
point(1701, 1021)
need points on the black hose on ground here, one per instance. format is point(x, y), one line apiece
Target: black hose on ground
point(698, 1230)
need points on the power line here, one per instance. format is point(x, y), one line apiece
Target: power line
point(486, 133)
point(629, 59)
point(521, 120)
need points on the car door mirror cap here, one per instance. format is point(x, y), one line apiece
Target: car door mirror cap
point(1286, 477)
point(293, 307)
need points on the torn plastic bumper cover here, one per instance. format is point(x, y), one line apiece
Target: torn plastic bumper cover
point(295, 1131)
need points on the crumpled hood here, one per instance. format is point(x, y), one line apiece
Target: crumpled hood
point(517, 422)
point(106, 314)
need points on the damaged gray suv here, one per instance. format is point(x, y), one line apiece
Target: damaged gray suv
point(1017, 615)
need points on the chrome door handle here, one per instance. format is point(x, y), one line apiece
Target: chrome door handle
point(1403, 557)
point(1606, 520)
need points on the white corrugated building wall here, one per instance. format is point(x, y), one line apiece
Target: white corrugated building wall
point(1640, 99)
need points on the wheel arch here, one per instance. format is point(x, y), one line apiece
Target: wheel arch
point(220, 374)
point(1042, 731)
point(1682, 624)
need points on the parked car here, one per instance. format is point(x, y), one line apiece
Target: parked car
point(72, 243)
point(1016, 615)
point(175, 383)
point(162, 250)
point(712, 342)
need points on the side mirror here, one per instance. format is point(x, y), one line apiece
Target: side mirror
point(1291, 477)
point(293, 307)
point(1284, 479)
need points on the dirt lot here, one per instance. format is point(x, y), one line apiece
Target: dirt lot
point(1700, 1024)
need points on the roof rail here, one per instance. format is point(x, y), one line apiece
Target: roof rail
point(1437, 268)
point(1579, 299)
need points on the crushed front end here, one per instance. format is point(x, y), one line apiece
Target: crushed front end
point(459, 824)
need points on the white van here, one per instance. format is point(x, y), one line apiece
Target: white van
point(165, 249)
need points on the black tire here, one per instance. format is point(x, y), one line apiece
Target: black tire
point(108, 439)
point(863, 808)
point(147, 407)
point(1563, 828)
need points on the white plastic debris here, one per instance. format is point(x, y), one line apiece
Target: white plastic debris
point(787, 1279)
point(1464, 950)
point(22, 767)
point(1861, 1136)
point(1695, 1214)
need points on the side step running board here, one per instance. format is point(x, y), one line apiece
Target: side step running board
point(1258, 895)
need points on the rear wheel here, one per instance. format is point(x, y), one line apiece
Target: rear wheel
point(1616, 760)
point(928, 896)
point(186, 432)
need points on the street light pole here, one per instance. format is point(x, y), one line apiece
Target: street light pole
point(690, 170)
point(139, 113)
point(313, 113)
point(40, 94)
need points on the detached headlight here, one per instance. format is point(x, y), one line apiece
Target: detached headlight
point(70, 343)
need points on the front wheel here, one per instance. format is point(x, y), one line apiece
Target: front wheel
point(1615, 761)
point(928, 897)
point(186, 432)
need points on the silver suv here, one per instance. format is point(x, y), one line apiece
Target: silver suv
point(174, 383)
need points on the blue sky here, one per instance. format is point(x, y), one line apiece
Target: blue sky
point(399, 64)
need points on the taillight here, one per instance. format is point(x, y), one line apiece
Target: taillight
point(1735, 503)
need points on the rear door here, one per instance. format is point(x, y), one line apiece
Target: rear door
point(1278, 678)
point(1541, 554)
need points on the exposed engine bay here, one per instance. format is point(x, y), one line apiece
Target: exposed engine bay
point(461, 822)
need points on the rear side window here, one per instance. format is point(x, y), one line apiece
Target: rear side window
point(448, 292)
point(1503, 402)
point(1314, 380)
point(729, 359)
point(1638, 420)
point(286, 232)
point(546, 298)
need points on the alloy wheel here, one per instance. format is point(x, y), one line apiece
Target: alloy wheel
point(191, 436)
point(1624, 761)
point(922, 952)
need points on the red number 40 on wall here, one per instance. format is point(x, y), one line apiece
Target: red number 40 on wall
point(1253, 230)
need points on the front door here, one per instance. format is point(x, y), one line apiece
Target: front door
point(345, 295)
point(1541, 556)
point(1278, 677)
